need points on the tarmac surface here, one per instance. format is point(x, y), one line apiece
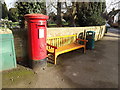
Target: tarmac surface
point(97, 68)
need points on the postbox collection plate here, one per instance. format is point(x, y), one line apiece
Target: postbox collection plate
point(41, 33)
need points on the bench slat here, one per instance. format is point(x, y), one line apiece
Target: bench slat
point(66, 48)
point(61, 36)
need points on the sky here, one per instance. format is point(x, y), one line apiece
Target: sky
point(10, 3)
point(110, 6)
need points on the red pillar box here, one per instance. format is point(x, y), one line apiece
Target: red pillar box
point(36, 39)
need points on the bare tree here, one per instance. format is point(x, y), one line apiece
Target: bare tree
point(59, 19)
point(71, 12)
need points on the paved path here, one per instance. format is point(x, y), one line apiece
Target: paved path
point(97, 68)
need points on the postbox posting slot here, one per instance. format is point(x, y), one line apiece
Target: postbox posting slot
point(40, 25)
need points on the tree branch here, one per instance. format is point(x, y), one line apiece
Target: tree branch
point(54, 6)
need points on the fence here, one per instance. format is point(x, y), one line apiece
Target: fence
point(99, 31)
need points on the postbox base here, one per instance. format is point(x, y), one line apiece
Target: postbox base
point(36, 65)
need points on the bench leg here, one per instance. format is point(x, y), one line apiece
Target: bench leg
point(55, 58)
point(84, 49)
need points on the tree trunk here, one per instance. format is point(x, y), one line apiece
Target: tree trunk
point(73, 15)
point(59, 20)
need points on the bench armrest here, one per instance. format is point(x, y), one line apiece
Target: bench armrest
point(82, 40)
point(52, 46)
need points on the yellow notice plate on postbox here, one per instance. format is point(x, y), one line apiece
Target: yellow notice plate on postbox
point(41, 33)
